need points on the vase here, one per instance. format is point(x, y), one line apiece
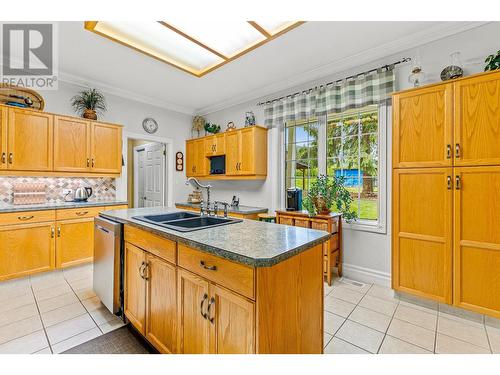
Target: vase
point(321, 206)
point(90, 114)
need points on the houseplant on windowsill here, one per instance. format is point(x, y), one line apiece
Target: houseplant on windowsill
point(89, 103)
point(329, 193)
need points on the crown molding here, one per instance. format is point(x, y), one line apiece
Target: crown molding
point(127, 94)
point(429, 35)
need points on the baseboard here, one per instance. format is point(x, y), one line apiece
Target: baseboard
point(366, 275)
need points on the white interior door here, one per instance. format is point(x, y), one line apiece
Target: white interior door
point(140, 178)
point(154, 175)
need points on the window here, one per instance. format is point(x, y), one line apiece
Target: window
point(346, 144)
point(301, 154)
point(352, 152)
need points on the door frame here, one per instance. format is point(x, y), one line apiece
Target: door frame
point(122, 180)
point(137, 149)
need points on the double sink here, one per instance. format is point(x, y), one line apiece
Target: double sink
point(185, 221)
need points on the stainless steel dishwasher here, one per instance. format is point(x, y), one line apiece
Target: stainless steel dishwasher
point(108, 260)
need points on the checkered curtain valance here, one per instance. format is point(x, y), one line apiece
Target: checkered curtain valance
point(372, 88)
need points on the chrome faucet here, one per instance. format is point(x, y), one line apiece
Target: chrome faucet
point(225, 204)
point(203, 211)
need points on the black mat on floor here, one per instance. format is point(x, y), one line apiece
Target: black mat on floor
point(121, 341)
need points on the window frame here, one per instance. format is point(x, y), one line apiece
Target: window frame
point(384, 123)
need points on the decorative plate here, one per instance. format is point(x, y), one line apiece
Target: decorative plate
point(150, 125)
point(451, 72)
point(21, 97)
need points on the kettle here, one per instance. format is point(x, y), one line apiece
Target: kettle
point(82, 194)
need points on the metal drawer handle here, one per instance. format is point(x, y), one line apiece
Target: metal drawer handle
point(25, 217)
point(146, 271)
point(93, 162)
point(88, 162)
point(52, 232)
point(102, 228)
point(58, 231)
point(11, 158)
point(457, 150)
point(204, 315)
point(448, 182)
point(458, 184)
point(448, 151)
point(4, 157)
point(141, 269)
point(212, 302)
point(210, 268)
point(81, 213)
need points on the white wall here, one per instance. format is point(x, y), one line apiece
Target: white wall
point(130, 114)
point(367, 255)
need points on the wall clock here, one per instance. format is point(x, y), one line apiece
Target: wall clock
point(150, 125)
point(179, 161)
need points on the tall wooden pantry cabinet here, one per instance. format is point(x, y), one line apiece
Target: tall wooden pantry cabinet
point(446, 192)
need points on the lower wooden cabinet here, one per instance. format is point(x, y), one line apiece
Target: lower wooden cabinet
point(26, 249)
point(212, 319)
point(75, 242)
point(151, 297)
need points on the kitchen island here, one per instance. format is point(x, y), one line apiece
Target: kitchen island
point(246, 287)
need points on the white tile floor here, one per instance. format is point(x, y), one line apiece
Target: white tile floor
point(366, 318)
point(51, 312)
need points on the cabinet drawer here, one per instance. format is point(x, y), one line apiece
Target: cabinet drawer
point(77, 213)
point(285, 220)
point(228, 274)
point(156, 245)
point(304, 223)
point(26, 217)
point(110, 208)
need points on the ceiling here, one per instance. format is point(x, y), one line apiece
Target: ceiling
point(305, 53)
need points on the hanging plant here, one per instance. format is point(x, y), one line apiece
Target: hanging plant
point(89, 103)
point(492, 62)
point(328, 193)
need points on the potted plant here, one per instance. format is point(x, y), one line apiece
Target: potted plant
point(89, 103)
point(327, 193)
point(492, 62)
point(212, 128)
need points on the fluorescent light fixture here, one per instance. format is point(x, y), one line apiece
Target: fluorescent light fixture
point(191, 46)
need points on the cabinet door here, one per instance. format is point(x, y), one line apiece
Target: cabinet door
point(190, 158)
point(422, 130)
point(304, 223)
point(3, 138)
point(30, 140)
point(247, 152)
point(26, 249)
point(192, 299)
point(232, 153)
point(161, 304)
point(201, 166)
point(135, 287)
point(477, 120)
point(106, 144)
point(285, 220)
point(210, 145)
point(477, 239)
point(232, 322)
point(422, 230)
point(71, 144)
point(75, 242)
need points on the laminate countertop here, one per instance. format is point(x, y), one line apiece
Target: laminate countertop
point(249, 242)
point(7, 207)
point(244, 210)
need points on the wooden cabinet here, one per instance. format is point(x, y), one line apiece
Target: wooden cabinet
point(245, 151)
point(422, 232)
point(477, 239)
point(135, 287)
point(106, 148)
point(161, 304)
point(445, 238)
point(75, 242)
point(215, 145)
point(26, 249)
point(30, 140)
point(477, 120)
point(3, 137)
point(422, 127)
point(194, 329)
point(71, 144)
point(196, 161)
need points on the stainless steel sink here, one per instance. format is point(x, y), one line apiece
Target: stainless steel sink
point(185, 221)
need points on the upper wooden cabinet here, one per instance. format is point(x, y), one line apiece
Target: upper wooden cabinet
point(32, 141)
point(245, 153)
point(422, 132)
point(71, 144)
point(477, 120)
point(106, 145)
point(29, 140)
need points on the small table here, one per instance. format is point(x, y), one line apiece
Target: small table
point(332, 223)
point(267, 218)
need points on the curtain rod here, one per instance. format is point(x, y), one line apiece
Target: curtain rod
point(387, 66)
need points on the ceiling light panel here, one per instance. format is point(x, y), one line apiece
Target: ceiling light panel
point(274, 27)
point(228, 37)
point(161, 42)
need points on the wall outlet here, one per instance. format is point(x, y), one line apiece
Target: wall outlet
point(67, 191)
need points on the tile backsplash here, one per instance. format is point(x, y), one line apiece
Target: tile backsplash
point(104, 188)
